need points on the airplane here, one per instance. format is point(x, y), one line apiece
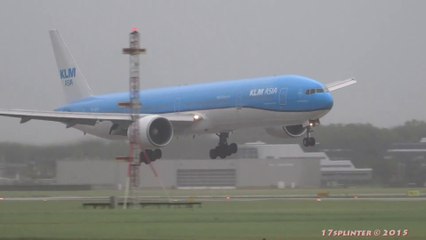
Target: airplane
point(285, 106)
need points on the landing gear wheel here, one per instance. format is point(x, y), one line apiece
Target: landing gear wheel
point(223, 154)
point(223, 149)
point(305, 142)
point(309, 142)
point(145, 156)
point(149, 155)
point(213, 153)
point(233, 148)
point(157, 154)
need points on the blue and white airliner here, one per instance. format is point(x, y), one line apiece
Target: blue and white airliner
point(285, 106)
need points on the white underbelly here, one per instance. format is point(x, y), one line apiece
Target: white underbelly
point(220, 120)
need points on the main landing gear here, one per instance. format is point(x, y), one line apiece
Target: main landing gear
point(310, 141)
point(223, 149)
point(149, 156)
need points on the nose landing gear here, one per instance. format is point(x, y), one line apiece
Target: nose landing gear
point(310, 141)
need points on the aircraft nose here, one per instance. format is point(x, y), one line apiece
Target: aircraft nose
point(327, 101)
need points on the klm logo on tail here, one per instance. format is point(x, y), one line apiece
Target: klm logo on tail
point(68, 75)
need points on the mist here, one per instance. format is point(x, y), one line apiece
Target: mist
point(380, 43)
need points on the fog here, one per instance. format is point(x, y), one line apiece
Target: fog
point(380, 43)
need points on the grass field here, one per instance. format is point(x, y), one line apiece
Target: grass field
point(267, 219)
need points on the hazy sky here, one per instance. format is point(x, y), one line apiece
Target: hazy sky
point(380, 43)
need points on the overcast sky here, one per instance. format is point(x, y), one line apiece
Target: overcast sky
point(380, 43)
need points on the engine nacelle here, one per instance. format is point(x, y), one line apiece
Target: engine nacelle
point(287, 131)
point(154, 131)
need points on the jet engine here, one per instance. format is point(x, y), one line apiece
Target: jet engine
point(287, 131)
point(154, 131)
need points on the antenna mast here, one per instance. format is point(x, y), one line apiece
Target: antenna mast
point(134, 105)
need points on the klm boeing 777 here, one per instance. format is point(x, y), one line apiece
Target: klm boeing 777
point(285, 106)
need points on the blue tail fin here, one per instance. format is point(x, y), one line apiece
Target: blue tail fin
point(73, 82)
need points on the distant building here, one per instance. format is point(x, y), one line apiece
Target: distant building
point(10, 173)
point(410, 161)
point(343, 173)
point(255, 165)
point(276, 165)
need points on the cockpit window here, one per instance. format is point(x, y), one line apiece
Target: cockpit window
point(314, 91)
point(310, 91)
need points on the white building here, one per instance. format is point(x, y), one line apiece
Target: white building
point(255, 165)
point(343, 172)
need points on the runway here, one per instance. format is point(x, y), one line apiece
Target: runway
point(223, 198)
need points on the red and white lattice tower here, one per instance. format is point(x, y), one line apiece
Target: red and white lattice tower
point(134, 105)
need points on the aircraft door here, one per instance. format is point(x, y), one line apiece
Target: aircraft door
point(283, 96)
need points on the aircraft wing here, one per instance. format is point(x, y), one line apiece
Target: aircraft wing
point(86, 118)
point(340, 84)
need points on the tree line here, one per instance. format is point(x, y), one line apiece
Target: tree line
point(364, 144)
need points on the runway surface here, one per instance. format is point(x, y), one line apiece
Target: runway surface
point(207, 198)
